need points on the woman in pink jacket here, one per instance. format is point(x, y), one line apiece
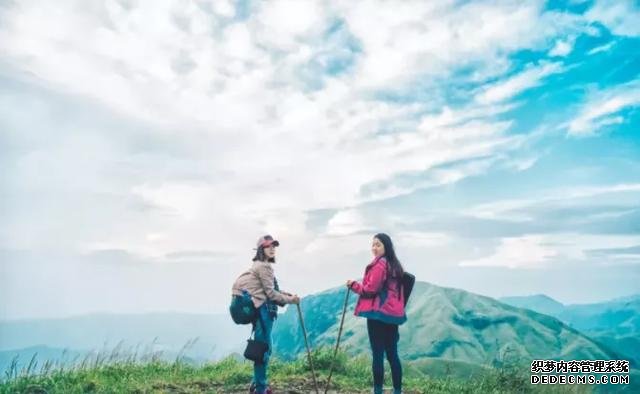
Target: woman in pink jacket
point(381, 301)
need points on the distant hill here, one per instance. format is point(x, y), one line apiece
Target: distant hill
point(444, 323)
point(446, 327)
point(210, 336)
point(620, 316)
point(539, 303)
point(615, 323)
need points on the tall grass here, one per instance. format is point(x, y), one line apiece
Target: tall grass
point(118, 371)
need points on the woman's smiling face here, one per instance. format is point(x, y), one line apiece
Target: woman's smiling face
point(377, 248)
point(270, 251)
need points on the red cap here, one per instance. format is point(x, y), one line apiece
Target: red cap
point(267, 240)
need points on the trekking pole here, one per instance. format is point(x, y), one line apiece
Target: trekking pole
point(335, 352)
point(304, 332)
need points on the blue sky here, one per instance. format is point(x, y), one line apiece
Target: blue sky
point(146, 146)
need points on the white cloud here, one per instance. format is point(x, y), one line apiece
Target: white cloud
point(284, 24)
point(516, 209)
point(527, 79)
point(346, 222)
point(551, 251)
point(244, 83)
point(577, 245)
point(522, 164)
point(424, 38)
point(223, 8)
point(602, 109)
point(422, 240)
point(531, 251)
point(620, 16)
point(155, 237)
point(184, 201)
point(171, 126)
point(601, 48)
point(562, 48)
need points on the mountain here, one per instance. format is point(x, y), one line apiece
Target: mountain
point(614, 323)
point(539, 303)
point(443, 323)
point(446, 327)
point(194, 336)
point(620, 316)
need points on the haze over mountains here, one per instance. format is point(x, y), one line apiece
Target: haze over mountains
point(615, 323)
point(207, 337)
point(444, 324)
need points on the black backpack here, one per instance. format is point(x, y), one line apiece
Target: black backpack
point(407, 282)
point(242, 309)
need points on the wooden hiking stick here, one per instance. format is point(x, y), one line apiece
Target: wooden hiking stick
point(306, 342)
point(335, 352)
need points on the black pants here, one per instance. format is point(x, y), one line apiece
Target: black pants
point(384, 338)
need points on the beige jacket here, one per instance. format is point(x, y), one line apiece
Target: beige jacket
point(258, 281)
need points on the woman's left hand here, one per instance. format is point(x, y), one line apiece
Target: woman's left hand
point(349, 282)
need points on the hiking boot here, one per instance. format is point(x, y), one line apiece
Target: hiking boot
point(252, 389)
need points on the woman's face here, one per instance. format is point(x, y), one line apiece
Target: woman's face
point(270, 251)
point(377, 248)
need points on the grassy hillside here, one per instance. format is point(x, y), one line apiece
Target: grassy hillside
point(615, 323)
point(454, 341)
point(444, 323)
point(352, 375)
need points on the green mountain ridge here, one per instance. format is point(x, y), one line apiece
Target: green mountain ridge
point(614, 323)
point(620, 314)
point(444, 323)
point(446, 327)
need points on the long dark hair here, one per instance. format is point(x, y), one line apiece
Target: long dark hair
point(260, 255)
point(390, 254)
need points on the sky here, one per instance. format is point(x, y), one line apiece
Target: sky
point(146, 145)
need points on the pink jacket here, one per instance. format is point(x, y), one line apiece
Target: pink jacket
point(380, 297)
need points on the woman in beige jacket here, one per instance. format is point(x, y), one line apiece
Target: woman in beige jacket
point(260, 283)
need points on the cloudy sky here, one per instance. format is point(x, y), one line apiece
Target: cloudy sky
point(146, 145)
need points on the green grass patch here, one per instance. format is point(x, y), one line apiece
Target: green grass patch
point(231, 375)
